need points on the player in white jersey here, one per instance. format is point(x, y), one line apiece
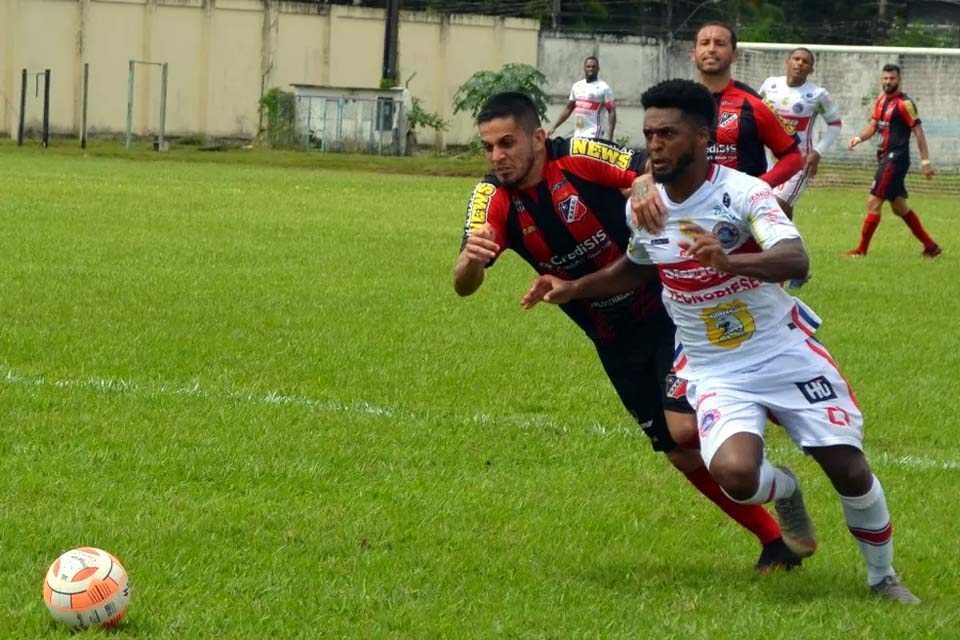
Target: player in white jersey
point(589, 99)
point(745, 347)
point(799, 102)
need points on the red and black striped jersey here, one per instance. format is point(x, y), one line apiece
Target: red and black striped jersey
point(745, 125)
point(572, 224)
point(895, 116)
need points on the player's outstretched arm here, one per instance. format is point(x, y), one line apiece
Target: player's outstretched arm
point(479, 249)
point(786, 260)
point(622, 275)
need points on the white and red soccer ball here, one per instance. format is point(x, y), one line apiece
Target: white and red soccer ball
point(87, 587)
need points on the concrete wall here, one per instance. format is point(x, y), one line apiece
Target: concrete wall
point(931, 77)
point(223, 53)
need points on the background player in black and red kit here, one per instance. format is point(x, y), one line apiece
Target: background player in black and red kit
point(558, 204)
point(894, 116)
point(745, 123)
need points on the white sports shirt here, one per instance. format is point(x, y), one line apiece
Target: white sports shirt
point(799, 107)
point(725, 323)
point(592, 99)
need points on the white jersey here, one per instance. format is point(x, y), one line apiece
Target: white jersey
point(725, 323)
point(799, 107)
point(591, 100)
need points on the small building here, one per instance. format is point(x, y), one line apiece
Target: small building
point(352, 119)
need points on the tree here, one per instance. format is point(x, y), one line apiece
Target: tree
point(479, 87)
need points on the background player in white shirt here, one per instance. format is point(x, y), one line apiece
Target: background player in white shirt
point(799, 102)
point(589, 98)
point(745, 347)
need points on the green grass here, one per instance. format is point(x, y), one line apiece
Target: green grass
point(253, 383)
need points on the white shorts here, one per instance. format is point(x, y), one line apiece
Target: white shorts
point(801, 388)
point(790, 190)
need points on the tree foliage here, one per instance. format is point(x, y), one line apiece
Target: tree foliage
point(473, 93)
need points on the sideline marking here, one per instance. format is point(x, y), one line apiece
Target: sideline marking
point(121, 386)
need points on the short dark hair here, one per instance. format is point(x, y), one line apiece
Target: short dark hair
point(813, 58)
point(692, 98)
point(594, 58)
point(510, 104)
point(722, 24)
point(892, 67)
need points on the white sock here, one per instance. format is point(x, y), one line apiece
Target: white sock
point(774, 484)
point(869, 521)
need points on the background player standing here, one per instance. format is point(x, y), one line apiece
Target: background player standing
point(557, 203)
point(745, 123)
point(799, 101)
point(745, 347)
point(894, 116)
point(589, 99)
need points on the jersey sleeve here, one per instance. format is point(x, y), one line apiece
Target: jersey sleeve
point(877, 113)
point(488, 204)
point(771, 130)
point(573, 92)
point(636, 252)
point(908, 111)
point(608, 100)
point(827, 108)
point(602, 163)
point(766, 219)
point(765, 88)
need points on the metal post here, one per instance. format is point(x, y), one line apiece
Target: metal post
point(163, 108)
point(130, 105)
point(323, 127)
point(23, 107)
point(46, 108)
point(306, 133)
point(83, 117)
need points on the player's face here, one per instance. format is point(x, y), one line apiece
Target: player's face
point(713, 51)
point(890, 81)
point(672, 142)
point(591, 68)
point(511, 150)
point(799, 66)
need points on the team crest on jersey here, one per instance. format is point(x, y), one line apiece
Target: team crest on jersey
point(572, 209)
point(727, 120)
point(798, 108)
point(728, 234)
point(728, 325)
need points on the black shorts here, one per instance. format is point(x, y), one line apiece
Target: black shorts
point(640, 366)
point(888, 182)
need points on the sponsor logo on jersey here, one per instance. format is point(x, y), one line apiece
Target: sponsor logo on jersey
point(529, 229)
point(763, 194)
point(726, 199)
point(587, 249)
point(721, 150)
point(657, 241)
point(707, 420)
point(727, 234)
point(727, 120)
point(602, 152)
point(559, 185)
point(911, 108)
point(722, 212)
point(572, 209)
point(817, 390)
point(728, 325)
point(798, 108)
point(479, 204)
point(518, 204)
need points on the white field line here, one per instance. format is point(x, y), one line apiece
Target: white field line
point(120, 386)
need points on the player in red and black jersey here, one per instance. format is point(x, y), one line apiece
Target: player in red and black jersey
point(558, 204)
point(894, 116)
point(745, 123)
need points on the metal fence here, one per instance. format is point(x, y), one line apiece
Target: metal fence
point(355, 125)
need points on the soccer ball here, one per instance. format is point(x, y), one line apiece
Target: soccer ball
point(86, 587)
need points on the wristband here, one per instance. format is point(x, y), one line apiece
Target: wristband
point(858, 139)
point(924, 162)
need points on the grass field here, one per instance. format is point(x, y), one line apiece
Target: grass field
point(253, 383)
